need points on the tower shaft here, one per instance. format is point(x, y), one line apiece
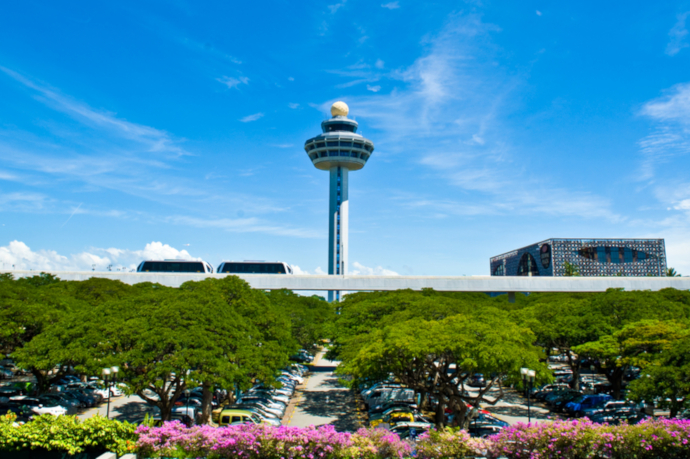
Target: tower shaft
point(338, 224)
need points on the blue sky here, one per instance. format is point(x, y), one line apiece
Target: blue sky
point(131, 130)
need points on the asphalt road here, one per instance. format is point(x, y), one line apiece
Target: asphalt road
point(321, 400)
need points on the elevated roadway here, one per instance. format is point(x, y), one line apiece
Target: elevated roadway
point(369, 283)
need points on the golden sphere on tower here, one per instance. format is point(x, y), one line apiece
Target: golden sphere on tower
point(339, 109)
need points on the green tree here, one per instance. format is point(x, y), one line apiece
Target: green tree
point(666, 378)
point(637, 344)
point(311, 317)
point(562, 322)
point(433, 342)
point(670, 272)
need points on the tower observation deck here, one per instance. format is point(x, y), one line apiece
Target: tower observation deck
point(339, 150)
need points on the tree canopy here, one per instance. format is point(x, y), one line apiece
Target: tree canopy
point(216, 333)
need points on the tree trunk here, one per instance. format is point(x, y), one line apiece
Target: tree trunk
point(42, 384)
point(206, 399)
point(440, 415)
point(575, 366)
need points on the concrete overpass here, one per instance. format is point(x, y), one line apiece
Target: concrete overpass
point(368, 283)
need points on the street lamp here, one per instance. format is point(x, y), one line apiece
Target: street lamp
point(186, 393)
point(528, 380)
point(107, 372)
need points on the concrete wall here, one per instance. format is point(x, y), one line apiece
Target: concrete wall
point(367, 283)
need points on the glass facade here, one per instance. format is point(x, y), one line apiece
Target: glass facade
point(591, 257)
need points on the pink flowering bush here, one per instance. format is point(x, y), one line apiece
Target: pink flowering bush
point(378, 443)
point(173, 439)
point(450, 443)
point(580, 439)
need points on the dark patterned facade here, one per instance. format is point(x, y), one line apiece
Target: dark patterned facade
point(591, 257)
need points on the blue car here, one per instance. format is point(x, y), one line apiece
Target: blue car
point(578, 406)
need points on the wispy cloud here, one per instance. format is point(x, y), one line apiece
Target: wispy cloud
point(231, 82)
point(359, 269)
point(293, 105)
point(671, 135)
point(678, 35)
point(391, 5)
point(246, 225)
point(457, 95)
point(335, 7)
point(250, 118)
point(153, 139)
point(371, 88)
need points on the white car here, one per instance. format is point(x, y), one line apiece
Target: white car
point(38, 407)
point(298, 379)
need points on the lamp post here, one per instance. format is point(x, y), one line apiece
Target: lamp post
point(107, 372)
point(528, 379)
point(186, 393)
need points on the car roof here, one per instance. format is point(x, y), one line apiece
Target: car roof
point(236, 411)
point(423, 425)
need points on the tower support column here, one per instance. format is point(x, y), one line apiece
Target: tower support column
point(338, 225)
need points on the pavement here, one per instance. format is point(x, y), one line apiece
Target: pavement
point(322, 400)
point(126, 408)
point(512, 408)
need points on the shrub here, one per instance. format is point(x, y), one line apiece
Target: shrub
point(650, 439)
point(450, 443)
point(67, 433)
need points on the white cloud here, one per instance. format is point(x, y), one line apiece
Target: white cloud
point(231, 82)
point(361, 270)
point(671, 135)
point(675, 106)
point(683, 205)
point(379, 64)
point(320, 271)
point(250, 118)
point(336, 7)
point(298, 271)
point(373, 88)
point(538, 13)
point(678, 35)
point(293, 105)
point(457, 93)
point(391, 5)
point(17, 255)
point(246, 225)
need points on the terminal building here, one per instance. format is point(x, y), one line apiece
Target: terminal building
point(591, 257)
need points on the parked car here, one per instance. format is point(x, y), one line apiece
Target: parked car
point(38, 406)
point(549, 388)
point(411, 430)
point(266, 418)
point(392, 416)
point(476, 380)
point(232, 417)
point(577, 406)
point(628, 414)
point(71, 406)
point(183, 418)
point(483, 431)
point(6, 373)
point(265, 400)
point(260, 409)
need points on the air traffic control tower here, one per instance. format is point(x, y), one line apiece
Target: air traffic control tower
point(339, 150)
